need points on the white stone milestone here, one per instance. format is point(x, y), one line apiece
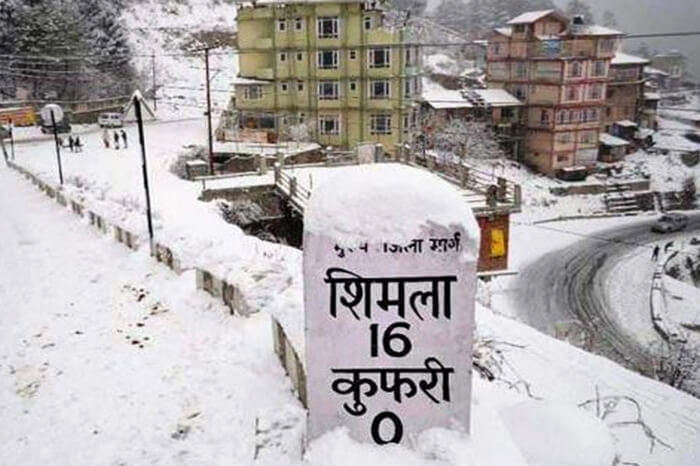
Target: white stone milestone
point(390, 258)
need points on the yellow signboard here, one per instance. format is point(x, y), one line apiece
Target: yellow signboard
point(498, 243)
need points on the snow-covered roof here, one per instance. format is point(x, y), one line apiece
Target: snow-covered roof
point(445, 99)
point(652, 96)
point(496, 97)
point(626, 124)
point(245, 81)
point(652, 70)
point(610, 140)
point(625, 59)
point(594, 30)
point(504, 31)
point(532, 16)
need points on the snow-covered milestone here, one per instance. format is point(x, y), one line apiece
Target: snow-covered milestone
point(390, 257)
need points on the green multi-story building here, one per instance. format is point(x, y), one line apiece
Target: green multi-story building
point(337, 66)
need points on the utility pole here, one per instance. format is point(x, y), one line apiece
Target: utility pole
point(211, 141)
point(155, 89)
point(144, 170)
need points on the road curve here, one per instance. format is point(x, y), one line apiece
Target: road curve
point(570, 284)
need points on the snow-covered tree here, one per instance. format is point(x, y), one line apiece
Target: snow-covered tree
point(453, 14)
point(678, 365)
point(466, 139)
point(609, 19)
point(414, 7)
point(580, 8)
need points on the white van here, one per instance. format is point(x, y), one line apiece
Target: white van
point(110, 120)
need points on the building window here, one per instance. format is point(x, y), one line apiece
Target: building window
point(284, 87)
point(519, 28)
point(572, 93)
point(368, 23)
point(496, 49)
point(380, 124)
point(573, 116)
point(328, 90)
point(595, 92)
point(519, 70)
point(300, 56)
point(329, 124)
point(353, 85)
point(562, 117)
point(281, 25)
point(300, 86)
point(407, 87)
point(283, 56)
point(328, 59)
point(253, 92)
point(379, 58)
point(353, 54)
point(379, 89)
point(298, 24)
point(520, 91)
point(407, 56)
point(562, 158)
point(599, 68)
point(563, 138)
point(575, 70)
point(328, 27)
point(592, 114)
point(607, 45)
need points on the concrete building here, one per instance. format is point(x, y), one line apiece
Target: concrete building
point(559, 68)
point(337, 66)
point(625, 93)
point(673, 63)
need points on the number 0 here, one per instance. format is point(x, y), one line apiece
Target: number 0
point(376, 424)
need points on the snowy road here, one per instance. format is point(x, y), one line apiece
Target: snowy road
point(108, 358)
point(583, 282)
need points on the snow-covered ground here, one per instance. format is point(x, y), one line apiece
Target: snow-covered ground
point(270, 276)
point(108, 358)
point(76, 388)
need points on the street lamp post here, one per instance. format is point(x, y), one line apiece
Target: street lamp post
point(58, 146)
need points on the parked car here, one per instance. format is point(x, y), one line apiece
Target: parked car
point(110, 120)
point(693, 136)
point(669, 223)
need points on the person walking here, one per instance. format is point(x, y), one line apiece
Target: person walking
point(78, 144)
point(71, 144)
point(105, 138)
point(655, 254)
point(116, 140)
point(126, 144)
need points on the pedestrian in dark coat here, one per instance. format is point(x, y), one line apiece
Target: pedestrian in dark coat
point(655, 254)
point(71, 144)
point(116, 140)
point(126, 144)
point(78, 144)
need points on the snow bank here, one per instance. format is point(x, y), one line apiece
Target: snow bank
point(588, 441)
point(406, 195)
